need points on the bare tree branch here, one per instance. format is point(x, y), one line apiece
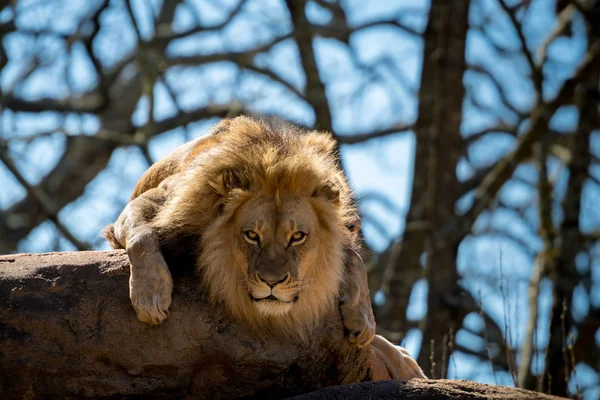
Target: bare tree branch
point(84, 156)
point(498, 128)
point(184, 118)
point(165, 34)
point(88, 103)
point(342, 32)
point(563, 20)
point(536, 72)
point(276, 78)
point(503, 170)
point(356, 138)
point(499, 87)
point(43, 201)
point(544, 263)
point(241, 58)
point(315, 89)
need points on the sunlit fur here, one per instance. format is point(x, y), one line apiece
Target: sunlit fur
point(255, 159)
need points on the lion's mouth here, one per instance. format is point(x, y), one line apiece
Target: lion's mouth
point(272, 298)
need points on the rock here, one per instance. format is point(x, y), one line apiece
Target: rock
point(67, 329)
point(422, 389)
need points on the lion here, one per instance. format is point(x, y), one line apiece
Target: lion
point(272, 221)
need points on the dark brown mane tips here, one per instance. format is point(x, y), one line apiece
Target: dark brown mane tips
point(227, 181)
point(328, 191)
point(321, 141)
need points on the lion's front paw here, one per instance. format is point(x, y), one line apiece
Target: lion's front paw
point(150, 287)
point(398, 362)
point(359, 324)
point(407, 366)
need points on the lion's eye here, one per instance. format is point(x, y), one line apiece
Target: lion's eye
point(298, 238)
point(251, 237)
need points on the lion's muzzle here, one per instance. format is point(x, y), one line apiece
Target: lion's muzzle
point(273, 279)
point(274, 296)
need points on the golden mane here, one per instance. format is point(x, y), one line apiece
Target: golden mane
point(258, 158)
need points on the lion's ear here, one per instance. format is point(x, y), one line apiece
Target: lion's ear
point(321, 141)
point(328, 191)
point(227, 181)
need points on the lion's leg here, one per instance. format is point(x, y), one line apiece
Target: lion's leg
point(150, 282)
point(396, 360)
point(355, 302)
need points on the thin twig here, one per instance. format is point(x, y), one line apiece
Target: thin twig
point(432, 358)
point(543, 264)
point(444, 356)
point(563, 21)
point(165, 34)
point(563, 328)
point(573, 363)
point(357, 138)
point(451, 344)
point(536, 72)
point(486, 341)
point(512, 367)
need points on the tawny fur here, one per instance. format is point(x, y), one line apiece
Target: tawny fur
point(196, 193)
point(242, 159)
point(109, 234)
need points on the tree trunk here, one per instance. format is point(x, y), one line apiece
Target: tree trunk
point(434, 193)
point(565, 275)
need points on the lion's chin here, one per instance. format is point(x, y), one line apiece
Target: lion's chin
point(272, 307)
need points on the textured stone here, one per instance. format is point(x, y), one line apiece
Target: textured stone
point(67, 329)
point(421, 389)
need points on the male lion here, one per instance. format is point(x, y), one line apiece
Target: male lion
point(273, 224)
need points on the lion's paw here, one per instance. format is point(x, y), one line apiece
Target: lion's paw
point(398, 362)
point(360, 326)
point(150, 287)
point(407, 366)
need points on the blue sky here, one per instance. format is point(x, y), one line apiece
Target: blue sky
point(359, 103)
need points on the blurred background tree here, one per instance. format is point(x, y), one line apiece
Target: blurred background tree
point(468, 128)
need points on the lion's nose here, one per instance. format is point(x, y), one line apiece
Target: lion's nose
point(273, 281)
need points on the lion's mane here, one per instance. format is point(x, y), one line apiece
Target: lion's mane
point(259, 158)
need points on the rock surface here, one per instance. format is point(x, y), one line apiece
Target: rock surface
point(421, 389)
point(67, 329)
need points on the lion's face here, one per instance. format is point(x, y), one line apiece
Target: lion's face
point(270, 207)
point(276, 241)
